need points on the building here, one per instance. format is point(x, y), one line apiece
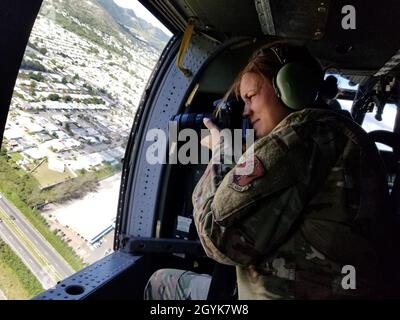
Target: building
point(56, 165)
point(13, 134)
point(35, 153)
point(60, 119)
point(33, 127)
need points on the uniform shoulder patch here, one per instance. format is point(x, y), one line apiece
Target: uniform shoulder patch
point(242, 182)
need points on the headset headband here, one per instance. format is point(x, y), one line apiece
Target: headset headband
point(277, 50)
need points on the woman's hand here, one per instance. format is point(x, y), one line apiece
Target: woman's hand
point(211, 140)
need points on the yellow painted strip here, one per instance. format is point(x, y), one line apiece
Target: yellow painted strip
point(183, 48)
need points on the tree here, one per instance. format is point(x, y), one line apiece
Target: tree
point(67, 98)
point(36, 76)
point(94, 50)
point(68, 128)
point(88, 87)
point(32, 90)
point(75, 188)
point(32, 65)
point(53, 97)
point(3, 151)
point(43, 51)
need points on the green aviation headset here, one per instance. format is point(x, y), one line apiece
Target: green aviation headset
point(299, 79)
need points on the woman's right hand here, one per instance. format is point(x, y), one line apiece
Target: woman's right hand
point(212, 139)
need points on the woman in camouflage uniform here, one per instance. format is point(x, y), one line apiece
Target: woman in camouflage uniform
point(306, 223)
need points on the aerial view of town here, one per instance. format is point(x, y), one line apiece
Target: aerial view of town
point(80, 83)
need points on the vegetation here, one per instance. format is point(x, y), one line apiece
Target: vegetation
point(16, 280)
point(16, 156)
point(43, 51)
point(73, 189)
point(67, 98)
point(89, 88)
point(53, 97)
point(107, 170)
point(47, 177)
point(24, 192)
point(33, 65)
point(18, 95)
point(86, 33)
point(93, 100)
point(94, 50)
point(32, 89)
point(36, 76)
point(31, 55)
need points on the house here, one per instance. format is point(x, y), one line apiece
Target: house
point(95, 159)
point(107, 157)
point(56, 165)
point(35, 153)
point(61, 134)
point(55, 145)
point(32, 127)
point(71, 143)
point(90, 140)
point(60, 119)
point(43, 137)
point(50, 127)
point(103, 139)
point(13, 133)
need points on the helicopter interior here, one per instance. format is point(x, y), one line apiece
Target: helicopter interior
point(154, 227)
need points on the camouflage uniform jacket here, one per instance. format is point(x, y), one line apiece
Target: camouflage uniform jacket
point(309, 208)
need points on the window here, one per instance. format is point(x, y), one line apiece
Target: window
point(370, 123)
point(80, 83)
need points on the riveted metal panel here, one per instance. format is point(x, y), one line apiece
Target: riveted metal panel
point(83, 283)
point(167, 102)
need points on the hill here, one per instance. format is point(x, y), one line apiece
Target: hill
point(104, 16)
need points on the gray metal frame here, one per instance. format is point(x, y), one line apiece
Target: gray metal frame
point(146, 178)
point(85, 282)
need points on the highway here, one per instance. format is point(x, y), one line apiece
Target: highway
point(46, 264)
point(39, 272)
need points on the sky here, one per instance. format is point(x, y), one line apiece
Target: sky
point(370, 123)
point(143, 13)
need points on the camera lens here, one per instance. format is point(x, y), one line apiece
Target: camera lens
point(190, 120)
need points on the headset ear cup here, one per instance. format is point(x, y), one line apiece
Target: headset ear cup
point(276, 89)
point(298, 85)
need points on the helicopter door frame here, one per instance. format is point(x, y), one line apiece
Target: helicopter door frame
point(142, 181)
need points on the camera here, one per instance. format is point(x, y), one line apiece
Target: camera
point(228, 114)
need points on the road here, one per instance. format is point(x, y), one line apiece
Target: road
point(2, 296)
point(42, 248)
point(106, 247)
point(39, 272)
